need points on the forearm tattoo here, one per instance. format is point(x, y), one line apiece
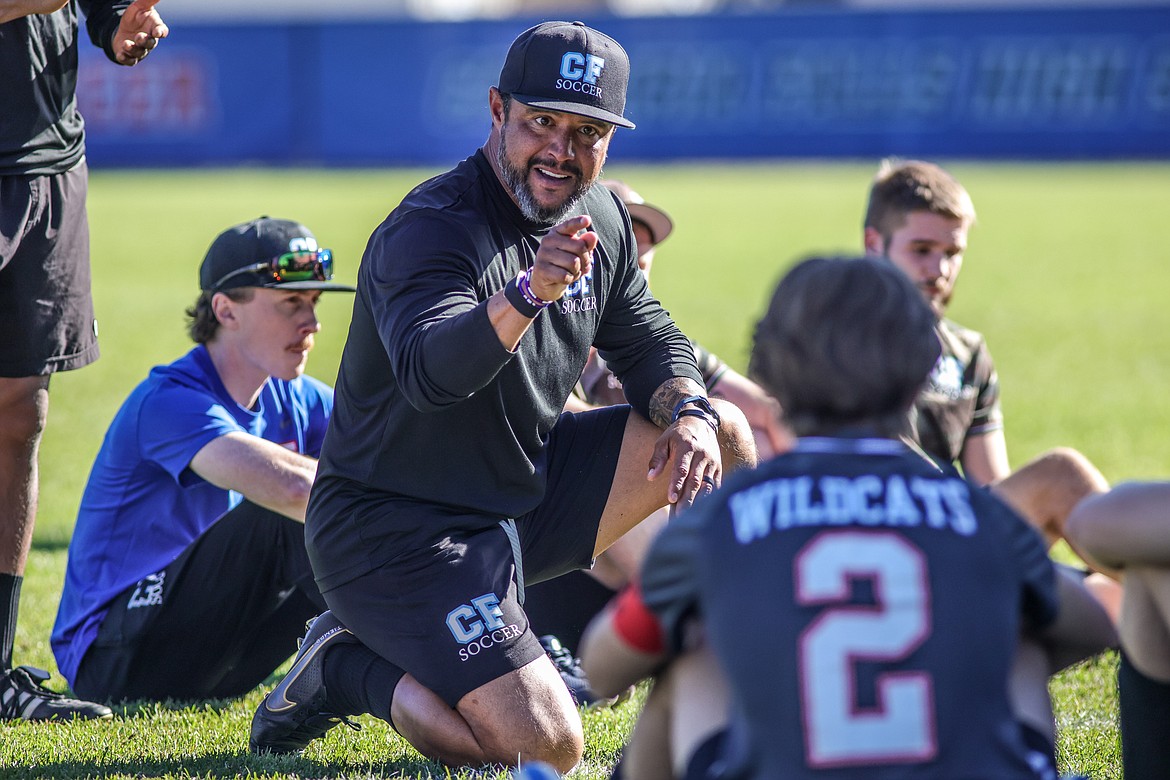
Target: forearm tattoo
point(668, 394)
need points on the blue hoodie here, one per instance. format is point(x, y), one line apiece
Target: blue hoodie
point(143, 505)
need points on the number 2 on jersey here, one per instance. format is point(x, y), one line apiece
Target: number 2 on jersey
point(837, 730)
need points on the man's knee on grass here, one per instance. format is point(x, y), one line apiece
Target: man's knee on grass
point(526, 715)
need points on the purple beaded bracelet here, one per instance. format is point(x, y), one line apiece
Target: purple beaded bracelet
point(519, 294)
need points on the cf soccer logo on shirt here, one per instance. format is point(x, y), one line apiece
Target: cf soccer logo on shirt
point(579, 296)
point(580, 72)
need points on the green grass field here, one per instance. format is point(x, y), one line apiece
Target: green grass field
point(1065, 276)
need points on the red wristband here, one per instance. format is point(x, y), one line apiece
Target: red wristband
point(635, 624)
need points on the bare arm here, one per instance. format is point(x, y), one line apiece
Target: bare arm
point(667, 396)
point(984, 457)
point(15, 9)
point(609, 661)
point(264, 473)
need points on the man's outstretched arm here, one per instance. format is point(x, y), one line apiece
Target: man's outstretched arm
point(261, 471)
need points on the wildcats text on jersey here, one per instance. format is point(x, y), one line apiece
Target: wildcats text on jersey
point(868, 500)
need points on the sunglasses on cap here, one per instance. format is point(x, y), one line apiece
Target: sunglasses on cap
point(302, 266)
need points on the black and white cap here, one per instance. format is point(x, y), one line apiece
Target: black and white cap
point(566, 66)
point(251, 243)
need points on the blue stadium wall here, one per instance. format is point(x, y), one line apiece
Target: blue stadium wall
point(1005, 83)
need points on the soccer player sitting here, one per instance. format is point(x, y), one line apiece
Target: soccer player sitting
point(187, 575)
point(919, 216)
point(847, 609)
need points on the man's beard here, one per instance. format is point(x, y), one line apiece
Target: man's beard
point(938, 303)
point(517, 181)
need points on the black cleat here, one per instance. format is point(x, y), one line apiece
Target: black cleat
point(23, 696)
point(295, 712)
point(570, 669)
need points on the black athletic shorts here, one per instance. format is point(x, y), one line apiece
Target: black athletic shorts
point(46, 308)
point(213, 624)
point(706, 762)
point(1041, 752)
point(447, 608)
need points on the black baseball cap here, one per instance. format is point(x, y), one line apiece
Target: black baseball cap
point(566, 66)
point(268, 252)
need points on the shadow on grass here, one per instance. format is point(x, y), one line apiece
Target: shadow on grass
point(145, 708)
point(50, 544)
point(226, 765)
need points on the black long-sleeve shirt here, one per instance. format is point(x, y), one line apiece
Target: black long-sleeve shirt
point(41, 130)
point(430, 408)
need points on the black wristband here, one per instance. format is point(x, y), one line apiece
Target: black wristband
point(519, 302)
point(698, 401)
point(706, 417)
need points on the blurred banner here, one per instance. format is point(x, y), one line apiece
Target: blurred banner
point(1049, 84)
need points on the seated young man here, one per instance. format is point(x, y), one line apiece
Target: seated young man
point(919, 217)
point(847, 609)
point(187, 575)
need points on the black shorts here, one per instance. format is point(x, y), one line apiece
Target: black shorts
point(448, 608)
point(46, 307)
point(213, 624)
point(706, 762)
point(1041, 752)
point(564, 606)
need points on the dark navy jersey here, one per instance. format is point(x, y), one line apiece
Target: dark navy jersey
point(961, 397)
point(433, 415)
point(866, 608)
point(41, 130)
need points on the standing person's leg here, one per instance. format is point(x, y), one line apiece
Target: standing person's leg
point(24, 406)
point(46, 316)
point(213, 624)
